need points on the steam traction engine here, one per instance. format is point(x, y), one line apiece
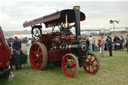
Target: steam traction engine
point(62, 46)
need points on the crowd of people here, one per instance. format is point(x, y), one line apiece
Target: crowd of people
point(108, 44)
point(17, 57)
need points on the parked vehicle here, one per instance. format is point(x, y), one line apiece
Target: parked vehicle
point(62, 46)
point(4, 56)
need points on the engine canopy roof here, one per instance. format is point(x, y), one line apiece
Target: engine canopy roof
point(55, 18)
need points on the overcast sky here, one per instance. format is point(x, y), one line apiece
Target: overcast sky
point(98, 13)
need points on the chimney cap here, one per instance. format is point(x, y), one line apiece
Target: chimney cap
point(76, 7)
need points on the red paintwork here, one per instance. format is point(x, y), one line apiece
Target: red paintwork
point(54, 55)
point(4, 51)
point(45, 38)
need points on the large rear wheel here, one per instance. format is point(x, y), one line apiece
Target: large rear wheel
point(92, 64)
point(38, 56)
point(70, 65)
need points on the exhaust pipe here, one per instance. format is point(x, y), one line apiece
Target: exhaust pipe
point(77, 21)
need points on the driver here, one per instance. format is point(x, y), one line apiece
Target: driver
point(65, 29)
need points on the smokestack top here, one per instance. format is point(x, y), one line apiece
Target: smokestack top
point(76, 7)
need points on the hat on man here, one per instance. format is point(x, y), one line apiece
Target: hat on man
point(15, 37)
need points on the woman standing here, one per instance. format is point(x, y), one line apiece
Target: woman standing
point(102, 46)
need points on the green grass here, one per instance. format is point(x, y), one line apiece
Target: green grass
point(113, 71)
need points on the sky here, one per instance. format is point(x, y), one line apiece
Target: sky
point(13, 13)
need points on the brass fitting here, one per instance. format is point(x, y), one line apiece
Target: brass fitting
point(76, 7)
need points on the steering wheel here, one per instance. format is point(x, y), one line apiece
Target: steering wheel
point(36, 31)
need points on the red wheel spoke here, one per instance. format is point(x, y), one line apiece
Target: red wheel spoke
point(66, 67)
point(40, 54)
point(75, 67)
point(71, 71)
point(37, 46)
point(33, 52)
point(89, 68)
point(94, 60)
point(95, 65)
point(39, 62)
point(38, 49)
point(67, 61)
point(71, 60)
point(92, 68)
point(90, 58)
point(35, 59)
point(39, 58)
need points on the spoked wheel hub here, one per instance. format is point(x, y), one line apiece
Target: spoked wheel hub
point(70, 65)
point(92, 64)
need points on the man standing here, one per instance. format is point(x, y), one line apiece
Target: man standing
point(126, 42)
point(91, 42)
point(29, 45)
point(99, 44)
point(102, 46)
point(115, 40)
point(16, 45)
point(93, 45)
point(109, 45)
point(122, 41)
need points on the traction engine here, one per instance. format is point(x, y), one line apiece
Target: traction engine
point(63, 46)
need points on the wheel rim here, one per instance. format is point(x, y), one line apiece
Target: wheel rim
point(70, 65)
point(36, 56)
point(92, 65)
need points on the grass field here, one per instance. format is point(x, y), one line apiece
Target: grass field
point(113, 71)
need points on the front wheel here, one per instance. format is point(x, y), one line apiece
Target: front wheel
point(92, 64)
point(70, 65)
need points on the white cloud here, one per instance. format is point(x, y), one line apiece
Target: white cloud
point(98, 13)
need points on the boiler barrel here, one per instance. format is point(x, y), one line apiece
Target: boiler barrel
point(77, 48)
